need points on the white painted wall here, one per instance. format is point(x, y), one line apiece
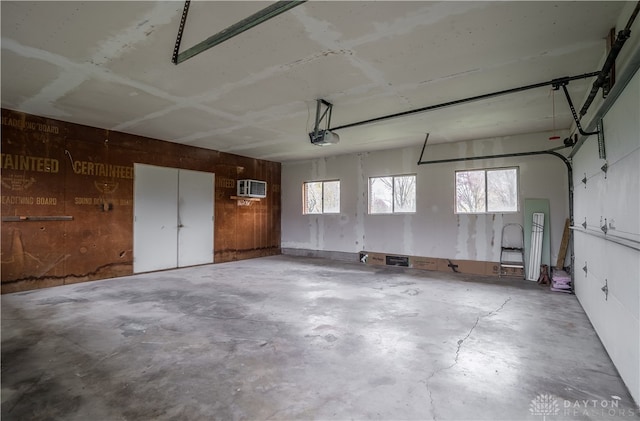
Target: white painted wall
point(615, 197)
point(434, 230)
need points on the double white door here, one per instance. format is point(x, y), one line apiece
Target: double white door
point(173, 218)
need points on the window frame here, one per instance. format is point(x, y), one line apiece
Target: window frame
point(486, 190)
point(393, 198)
point(322, 182)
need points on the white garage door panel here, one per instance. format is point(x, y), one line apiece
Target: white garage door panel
point(622, 276)
point(586, 197)
point(621, 200)
point(626, 353)
point(614, 318)
point(195, 204)
point(588, 163)
point(621, 123)
point(611, 262)
point(155, 227)
point(614, 196)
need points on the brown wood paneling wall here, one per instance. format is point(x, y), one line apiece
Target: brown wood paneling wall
point(53, 170)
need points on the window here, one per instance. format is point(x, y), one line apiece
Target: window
point(392, 194)
point(486, 191)
point(321, 197)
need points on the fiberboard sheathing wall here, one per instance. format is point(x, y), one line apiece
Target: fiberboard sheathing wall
point(83, 177)
point(611, 260)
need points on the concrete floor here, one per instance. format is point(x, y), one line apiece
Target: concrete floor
point(301, 338)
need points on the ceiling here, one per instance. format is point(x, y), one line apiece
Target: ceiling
point(108, 65)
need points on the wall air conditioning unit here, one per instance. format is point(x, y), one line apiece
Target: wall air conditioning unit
point(252, 188)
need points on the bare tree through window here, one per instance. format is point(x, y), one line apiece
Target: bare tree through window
point(321, 197)
point(381, 195)
point(331, 196)
point(313, 197)
point(392, 194)
point(404, 193)
point(470, 192)
point(480, 191)
point(502, 190)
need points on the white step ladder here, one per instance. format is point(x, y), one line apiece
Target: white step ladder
point(512, 248)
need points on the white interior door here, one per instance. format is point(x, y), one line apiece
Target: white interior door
point(155, 210)
point(195, 217)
